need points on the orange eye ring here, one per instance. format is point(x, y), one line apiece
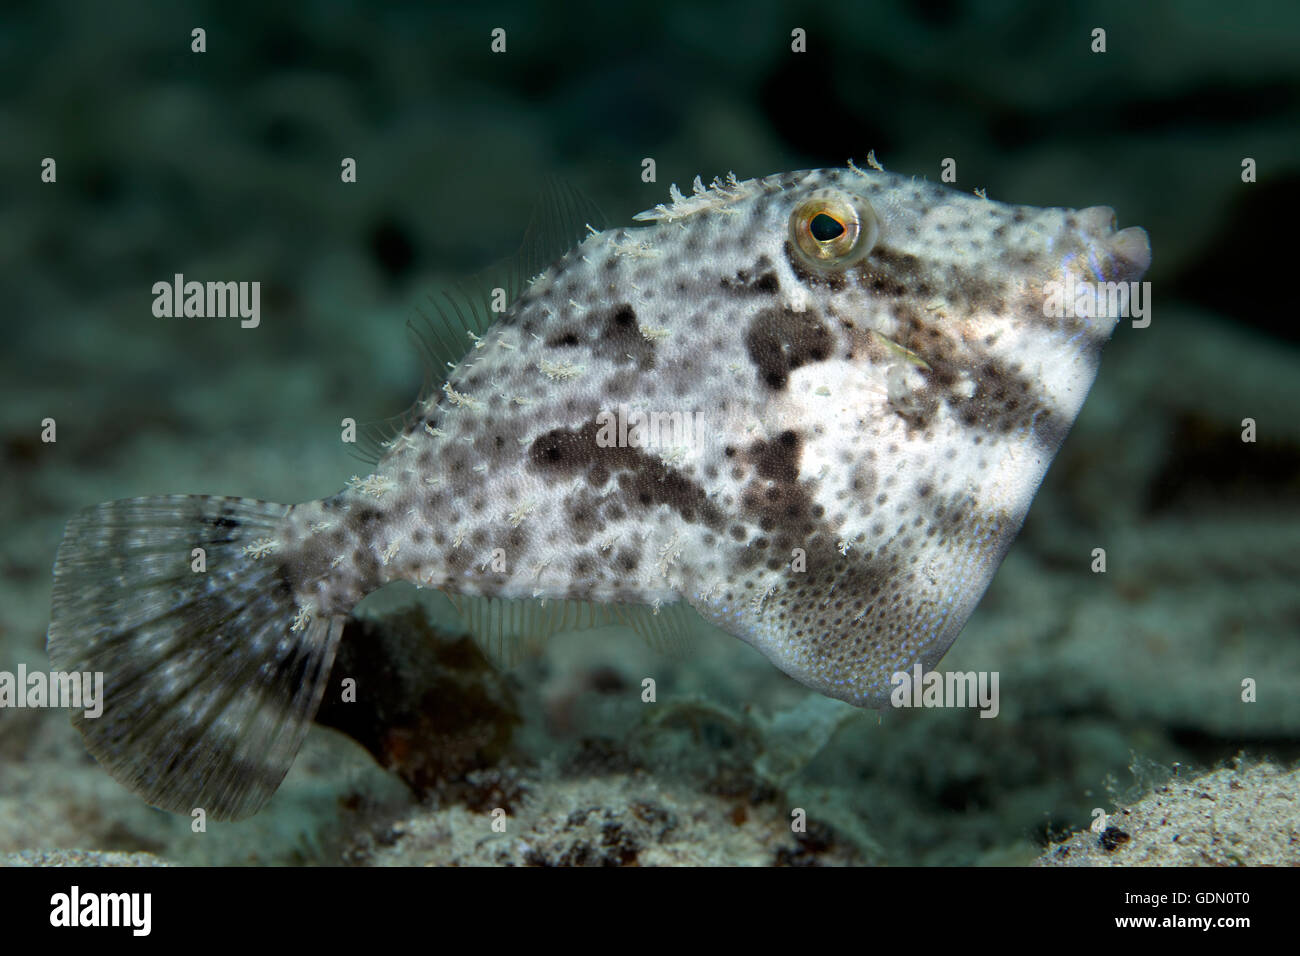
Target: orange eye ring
point(830, 230)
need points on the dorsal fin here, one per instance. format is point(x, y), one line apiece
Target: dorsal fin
point(461, 312)
point(508, 629)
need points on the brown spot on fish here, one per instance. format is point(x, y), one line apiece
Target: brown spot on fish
point(644, 480)
point(782, 340)
point(777, 459)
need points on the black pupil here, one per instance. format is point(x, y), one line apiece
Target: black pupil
point(824, 228)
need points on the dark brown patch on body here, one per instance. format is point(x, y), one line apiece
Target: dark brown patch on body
point(643, 480)
point(889, 273)
point(617, 335)
point(777, 459)
point(311, 561)
point(759, 280)
point(612, 333)
point(568, 337)
point(584, 566)
point(918, 409)
point(782, 340)
point(972, 291)
point(363, 521)
point(1004, 401)
point(775, 499)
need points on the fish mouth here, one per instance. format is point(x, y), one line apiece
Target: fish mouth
point(1121, 255)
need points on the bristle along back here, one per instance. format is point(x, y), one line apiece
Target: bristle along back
point(460, 314)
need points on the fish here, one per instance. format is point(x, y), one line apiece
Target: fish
point(810, 408)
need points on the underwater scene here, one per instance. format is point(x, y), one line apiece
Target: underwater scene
point(843, 434)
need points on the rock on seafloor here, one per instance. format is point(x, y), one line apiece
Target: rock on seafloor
point(1233, 816)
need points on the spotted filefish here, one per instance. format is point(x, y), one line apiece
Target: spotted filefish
point(811, 408)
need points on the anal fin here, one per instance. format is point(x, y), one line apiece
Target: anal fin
point(509, 629)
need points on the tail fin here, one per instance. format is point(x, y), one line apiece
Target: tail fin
point(211, 677)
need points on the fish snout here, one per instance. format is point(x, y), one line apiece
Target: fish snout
point(1130, 250)
point(1124, 254)
point(1096, 221)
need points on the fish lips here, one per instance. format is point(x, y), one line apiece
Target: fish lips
point(1122, 255)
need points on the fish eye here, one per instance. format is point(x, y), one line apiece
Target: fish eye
point(824, 228)
point(832, 230)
